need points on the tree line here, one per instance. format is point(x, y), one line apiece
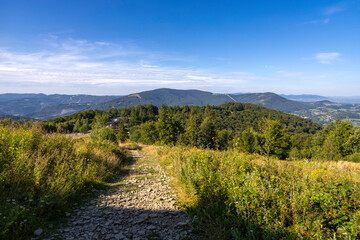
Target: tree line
point(247, 127)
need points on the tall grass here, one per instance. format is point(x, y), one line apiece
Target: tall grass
point(42, 175)
point(240, 196)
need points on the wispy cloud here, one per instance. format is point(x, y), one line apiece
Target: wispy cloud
point(334, 9)
point(319, 22)
point(79, 65)
point(327, 58)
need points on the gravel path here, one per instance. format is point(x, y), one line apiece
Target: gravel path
point(141, 206)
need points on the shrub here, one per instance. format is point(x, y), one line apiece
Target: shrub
point(41, 175)
point(354, 158)
point(104, 133)
point(243, 196)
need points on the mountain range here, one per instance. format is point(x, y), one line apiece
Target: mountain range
point(41, 106)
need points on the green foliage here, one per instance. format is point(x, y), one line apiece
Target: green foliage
point(146, 133)
point(85, 128)
point(353, 157)
point(276, 141)
point(122, 134)
point(221, 127)
point(168, 128)
point(336, 141)
point(207, 133)
point(239, 196)
point(42, 175)
point(100, 121)
point(104, 133)
point(248, 141)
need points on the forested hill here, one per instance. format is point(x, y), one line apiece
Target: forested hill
point(169, 97)
point(172, 97)
point(229, 116)
point(271, 100)
point(41, 106)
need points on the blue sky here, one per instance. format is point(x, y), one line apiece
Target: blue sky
point(120, 47)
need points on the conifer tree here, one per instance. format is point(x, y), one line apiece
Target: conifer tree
point(168, 128)
point(276, 140)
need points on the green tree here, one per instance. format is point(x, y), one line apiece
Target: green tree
point(103, 133)
point(207, 134)
point(85, 128)
point(167, 126)
point(100, 121)
point(149, 133)
point(331, 148)
point(248, 141)
point(192, 129)
point(122, 134)
point(276, 140)
point(76, 126)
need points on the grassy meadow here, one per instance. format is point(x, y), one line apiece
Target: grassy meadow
point(42, 175)
point(233, 195)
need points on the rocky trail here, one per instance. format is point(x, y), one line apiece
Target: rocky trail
point(139, 206)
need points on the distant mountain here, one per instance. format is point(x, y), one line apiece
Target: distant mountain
point(346, 100)
point(172, 97)
point(271, 100)
point(59, 110)
point(40, 106)
point(15, 118)
point(304, 97)
point(28, 104)
point(316, 98)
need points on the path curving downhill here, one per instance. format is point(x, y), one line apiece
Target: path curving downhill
point(141, 206)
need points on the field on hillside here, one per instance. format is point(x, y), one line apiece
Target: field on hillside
point(328, 112)
point(42, 175)
point(234, 195)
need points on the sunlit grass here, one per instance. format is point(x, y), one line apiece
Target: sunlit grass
point(245, 196)
point(42, 175)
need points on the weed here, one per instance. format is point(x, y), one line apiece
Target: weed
point(42, 175)
point(243, 196)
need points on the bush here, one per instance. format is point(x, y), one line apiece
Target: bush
point(353, 158)
point(104, 133)
point(41, 175)
point(240, 196)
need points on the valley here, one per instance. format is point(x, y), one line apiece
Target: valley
point(41, 106)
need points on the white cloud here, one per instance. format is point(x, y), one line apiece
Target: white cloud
point(327, 58)
point(78, 65)
point(319, 22)
point(149, 66)
point(334, 9)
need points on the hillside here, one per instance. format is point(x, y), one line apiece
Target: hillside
point(15, 118)
point(304, 97)
point(59, 110)
point(271, 100)
point(172, 97)
point(29, 104)
point(41, 106)
point(326, 112)
point(169, 97)
point(316, 98)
